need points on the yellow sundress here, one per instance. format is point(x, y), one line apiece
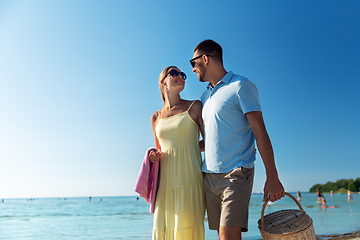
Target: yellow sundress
point(180, 205)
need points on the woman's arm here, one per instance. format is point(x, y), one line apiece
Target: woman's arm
point(196, 114)
point(154, 156)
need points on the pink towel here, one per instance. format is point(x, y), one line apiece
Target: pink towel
point(146, 184)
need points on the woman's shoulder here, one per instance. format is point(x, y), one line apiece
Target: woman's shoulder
point(197, 104)
point(155, 116)
point(192, 102)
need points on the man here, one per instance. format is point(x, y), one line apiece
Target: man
point(233, 121)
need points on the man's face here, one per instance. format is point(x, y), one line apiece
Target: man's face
point(198, 67)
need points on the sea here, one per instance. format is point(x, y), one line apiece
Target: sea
point(129, 217)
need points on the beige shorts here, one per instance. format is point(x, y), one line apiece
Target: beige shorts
point(227, 198)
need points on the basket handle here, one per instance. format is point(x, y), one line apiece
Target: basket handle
point(266, 202)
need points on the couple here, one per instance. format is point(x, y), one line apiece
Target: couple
point(229, 118)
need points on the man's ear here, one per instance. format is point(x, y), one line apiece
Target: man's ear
point(206, 59)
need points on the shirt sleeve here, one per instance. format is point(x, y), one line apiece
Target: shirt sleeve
point(248, 97)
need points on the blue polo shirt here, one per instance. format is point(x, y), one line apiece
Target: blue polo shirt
point(229, 139)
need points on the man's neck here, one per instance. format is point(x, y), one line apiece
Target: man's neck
point(217, 76)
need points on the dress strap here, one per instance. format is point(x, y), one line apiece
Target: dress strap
point(191, 105)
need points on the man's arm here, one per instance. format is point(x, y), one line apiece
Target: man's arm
point(273, 187)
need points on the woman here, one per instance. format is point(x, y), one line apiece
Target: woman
point(180, 205)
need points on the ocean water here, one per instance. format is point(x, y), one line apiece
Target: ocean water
point(129, 218)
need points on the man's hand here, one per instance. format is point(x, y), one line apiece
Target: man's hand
point(273, 189)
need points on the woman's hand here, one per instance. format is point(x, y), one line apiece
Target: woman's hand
point(154, 156)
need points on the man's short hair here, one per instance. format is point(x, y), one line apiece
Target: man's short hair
point(211, 48)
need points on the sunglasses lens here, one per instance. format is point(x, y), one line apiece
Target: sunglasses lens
point(174, 73)
point(192, 61)
point(183, 75)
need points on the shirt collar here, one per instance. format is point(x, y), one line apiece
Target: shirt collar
point(225, 79)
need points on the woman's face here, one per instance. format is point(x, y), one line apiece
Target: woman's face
point(172, 81)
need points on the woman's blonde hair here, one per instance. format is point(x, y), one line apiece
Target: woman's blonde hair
point(161, 78)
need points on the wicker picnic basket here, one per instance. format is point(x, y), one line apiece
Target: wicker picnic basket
point(286, 224)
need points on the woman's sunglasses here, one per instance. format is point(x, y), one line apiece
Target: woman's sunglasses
point(175, 73)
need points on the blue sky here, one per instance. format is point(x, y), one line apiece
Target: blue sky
point(78, 84)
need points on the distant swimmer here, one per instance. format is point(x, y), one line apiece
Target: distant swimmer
point(323, 201)
point(298, 194)
point(319, 195)
point(137, 198)
point(350, 198)
point(89, 199)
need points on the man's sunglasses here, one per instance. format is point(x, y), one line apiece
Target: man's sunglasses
point(175, 73)
point(192, 60)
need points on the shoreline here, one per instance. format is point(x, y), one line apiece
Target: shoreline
point(351, 235)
